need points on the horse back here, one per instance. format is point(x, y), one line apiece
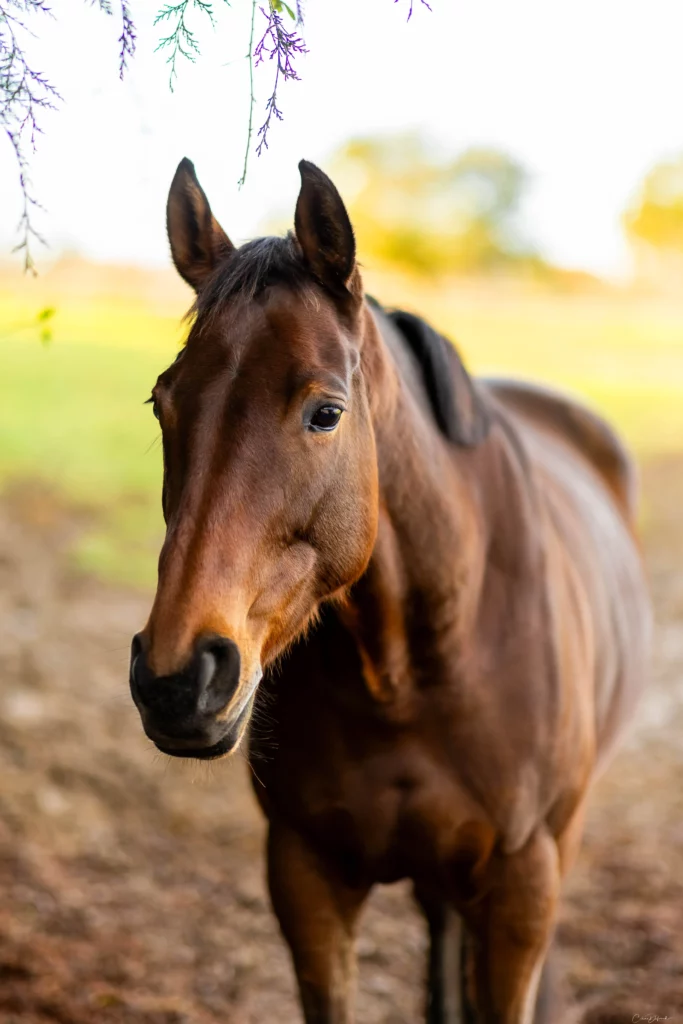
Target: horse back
point(578, 426)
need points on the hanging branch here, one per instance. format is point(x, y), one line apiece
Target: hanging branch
point(127, 39)
point(282, 46)
point(410, 8)
point(181, 42)
point(128, 34)
point(250, 58)
point(24, 94)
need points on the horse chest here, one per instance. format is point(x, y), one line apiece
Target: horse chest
point(418, 792)
point(383, 815)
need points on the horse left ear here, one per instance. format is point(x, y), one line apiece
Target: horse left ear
point(324, 231)
point(198, 242)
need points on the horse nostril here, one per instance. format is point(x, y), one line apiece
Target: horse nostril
point(207, 670)
point(204, 686)
point(135, 655)
point(218, 673)
point(138, 671)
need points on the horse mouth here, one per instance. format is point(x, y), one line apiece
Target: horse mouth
point(226, 745)
point(211, 753)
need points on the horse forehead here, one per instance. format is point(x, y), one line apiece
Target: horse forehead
point(305, 326)
point(284, 338)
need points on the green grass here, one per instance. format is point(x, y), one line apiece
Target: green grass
point(71, 413)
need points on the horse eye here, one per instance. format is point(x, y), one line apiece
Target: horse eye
point(326, 418)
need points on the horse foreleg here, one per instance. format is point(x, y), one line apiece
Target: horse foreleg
point(511, 930)
point(446, 1001)
point(317, 914)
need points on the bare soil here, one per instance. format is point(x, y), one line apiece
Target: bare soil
point(132, 888)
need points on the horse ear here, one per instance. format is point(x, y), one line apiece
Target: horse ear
point(323, 229)
point(198, 242)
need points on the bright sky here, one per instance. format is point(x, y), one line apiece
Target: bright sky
point(587, 94)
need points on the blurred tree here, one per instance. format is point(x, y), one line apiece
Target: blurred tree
point(654, 224)
point(656, 218)
point(414, 210)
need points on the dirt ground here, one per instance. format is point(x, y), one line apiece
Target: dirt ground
point(132, 889)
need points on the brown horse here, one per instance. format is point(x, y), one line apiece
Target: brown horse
point(438, 577)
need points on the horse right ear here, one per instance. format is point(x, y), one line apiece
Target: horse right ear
point(198, 242)
point(324, 231)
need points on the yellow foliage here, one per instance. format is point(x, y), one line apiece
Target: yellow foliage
point(656, 218)
point(416, 210)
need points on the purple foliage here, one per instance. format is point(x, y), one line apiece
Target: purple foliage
point(126, 39)
point(410, 8)
point(282, 46)
point(24, 94)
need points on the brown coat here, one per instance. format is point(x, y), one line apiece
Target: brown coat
point(438, 577)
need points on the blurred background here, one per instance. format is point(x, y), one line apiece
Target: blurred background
point(514, 173)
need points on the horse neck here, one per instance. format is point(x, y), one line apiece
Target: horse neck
point(420, 591)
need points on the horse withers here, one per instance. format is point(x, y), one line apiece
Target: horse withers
point(433, 583)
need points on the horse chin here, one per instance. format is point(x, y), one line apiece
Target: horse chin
point(224, 747)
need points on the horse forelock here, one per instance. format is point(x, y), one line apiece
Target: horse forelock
point(249, 270)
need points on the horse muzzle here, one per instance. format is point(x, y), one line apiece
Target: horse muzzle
point(199, 711)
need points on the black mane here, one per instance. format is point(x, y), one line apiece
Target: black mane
point(456, 401)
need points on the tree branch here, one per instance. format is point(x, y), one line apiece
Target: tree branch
point(281, 46)
point(410, 8)
point(24, 94)
point(127, 39)
point(250, 58)
point(181, 42)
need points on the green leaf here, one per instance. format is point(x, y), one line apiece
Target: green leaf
point(46, 314)
point(279, 6)
point(45, 337)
